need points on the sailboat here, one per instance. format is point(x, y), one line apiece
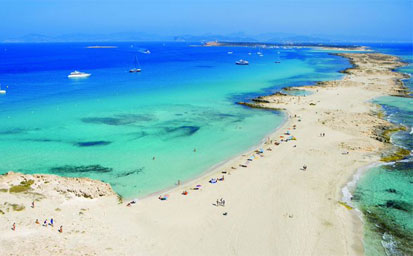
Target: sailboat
point(137, 68)
point(2, 91)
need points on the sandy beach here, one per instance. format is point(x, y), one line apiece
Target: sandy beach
point(286, 200)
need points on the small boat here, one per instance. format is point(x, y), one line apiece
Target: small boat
point(260, 54)
point(137, 68)
point(277, 61)
point(78, 74)
point(147, 51)
point(242, 62)
point(230, 52)
point(2, 91)
point(249, 53)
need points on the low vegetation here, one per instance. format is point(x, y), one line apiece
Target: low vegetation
point(387, 133)
point(22, 187)
point(399, 154)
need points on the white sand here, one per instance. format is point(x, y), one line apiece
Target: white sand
point(273, 207)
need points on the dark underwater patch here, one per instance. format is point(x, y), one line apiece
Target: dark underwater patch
point(399, 166)
point(118, 119)
point(93, 143)
point(131, 172)
point(43, 140)
point(138, 135)
point(381, 224)
point(66, 169)
point(391, 190)
point(16, 131)
point(181, 131)
point(398, 205)
point(103, 120)
point(12, 131)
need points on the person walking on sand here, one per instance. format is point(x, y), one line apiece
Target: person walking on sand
point(14, 226)
point(51, 222)
point(33, 204)
point(61, 229)
point(45, 223)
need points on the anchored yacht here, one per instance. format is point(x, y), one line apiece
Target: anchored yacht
point(2, 91)
point(242, 62)
point(78, 74)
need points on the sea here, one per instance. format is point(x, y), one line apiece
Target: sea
point(178, 118)
point(141, 132)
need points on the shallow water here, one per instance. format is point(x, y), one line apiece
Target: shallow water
point(112, 125)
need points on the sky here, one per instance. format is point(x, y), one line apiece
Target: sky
point(390, 20)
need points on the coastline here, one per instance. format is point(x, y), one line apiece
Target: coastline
point(223, 164)
point(344, 224)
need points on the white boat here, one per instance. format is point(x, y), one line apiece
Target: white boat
point(137, 68)
point(230, 52)
point(242, 62)
point(78, 74)
point(147, 52)
point(2, 91)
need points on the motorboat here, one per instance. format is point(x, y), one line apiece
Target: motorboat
point(242, 62)
point(78, 74)
point(2, 91)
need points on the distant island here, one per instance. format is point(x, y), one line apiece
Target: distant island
point(101, 46)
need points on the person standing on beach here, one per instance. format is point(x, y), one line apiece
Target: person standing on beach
point(61, 229)
point(51, 222)
point(45, 223)
point(33, 204)
point(14, 226)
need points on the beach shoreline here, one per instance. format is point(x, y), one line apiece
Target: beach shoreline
point(297, 211)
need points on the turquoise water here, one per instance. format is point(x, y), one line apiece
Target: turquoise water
point(385, 193)
point(111, 125)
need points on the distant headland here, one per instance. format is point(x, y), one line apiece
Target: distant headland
point(278, 45)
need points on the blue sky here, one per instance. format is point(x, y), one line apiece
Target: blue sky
point(377, 19)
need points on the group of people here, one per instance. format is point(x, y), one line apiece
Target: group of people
point(220, 202)
point(215, 180)
point(132, 202)
point(45, 224)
